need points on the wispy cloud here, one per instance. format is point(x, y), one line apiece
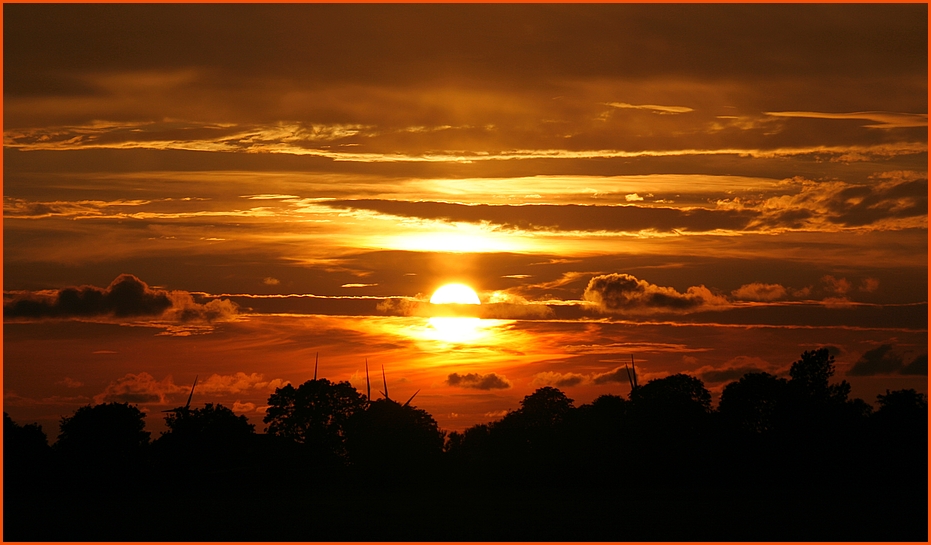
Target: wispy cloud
point(652, 108)
point(882, 120)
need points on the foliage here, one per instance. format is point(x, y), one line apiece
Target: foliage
point(810, 376)
point(388, 434)
point(213, 422)
point(754, 402)
point(106, 429)
point(22, 442)
point(315, 413)
point(677, 396)
point(545, 408)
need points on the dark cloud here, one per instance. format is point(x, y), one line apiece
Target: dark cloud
point(858, 206)
point(918, 366)
point(891, 203)
point(126, 296)
point(512, 42)
point(624, 293)
point(619, 374)
point(571, 217)
point(491, 381)
point(883, 361)
point(729, 374)
point(560, 380)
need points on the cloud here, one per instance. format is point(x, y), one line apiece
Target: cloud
point(269, 281)
point(491, 381)
point(733, 369)
point(70, 383)
point(883, 361)
point(623, 293)
point(238, 383)
point(126, 297)
point(565, 217)
point(918, 366)
point(239, 407)
point(21, 208)
point(759, 292)
point(896, 203)
point(835, 285)
point(184, 309)
point(141, 388)
point(500, 306)
point(869, 285)
point(619, 374)
point(560, 380)
point(652, 108)
point(883, 120)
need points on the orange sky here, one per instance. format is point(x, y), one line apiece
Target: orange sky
point(711, 188)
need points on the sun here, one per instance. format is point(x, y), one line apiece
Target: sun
point(455, 329)
point(459, 294)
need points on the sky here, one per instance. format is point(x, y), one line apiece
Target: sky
point(233, 192)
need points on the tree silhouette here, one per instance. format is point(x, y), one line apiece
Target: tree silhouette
point(213, 423)
point(387, 434)
point(213, 436)
point(106, 431)
point(754, 403)
point(25, 449)
point(671, 398)
point(810, 377)
point(314, 414)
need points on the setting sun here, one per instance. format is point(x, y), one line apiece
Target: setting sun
point(459, 294)
point(455, 329)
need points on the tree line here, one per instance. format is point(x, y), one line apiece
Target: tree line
point(786, 441)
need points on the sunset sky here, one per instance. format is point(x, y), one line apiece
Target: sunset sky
point(225, 191)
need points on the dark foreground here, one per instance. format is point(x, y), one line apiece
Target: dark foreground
point(293, 504)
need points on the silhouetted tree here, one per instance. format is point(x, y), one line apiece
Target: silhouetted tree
point(212, 423)
point(213, 435)
point(388, 435)
point(903, 405)
point(24, 447)
point(810, 379)
point(106, 432)
point(315, 414)
point(903, 414)
point(754, 403)
point(534, 434)
point(676, 398)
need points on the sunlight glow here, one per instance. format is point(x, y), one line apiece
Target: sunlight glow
point(455, 293)
point(456, 330)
